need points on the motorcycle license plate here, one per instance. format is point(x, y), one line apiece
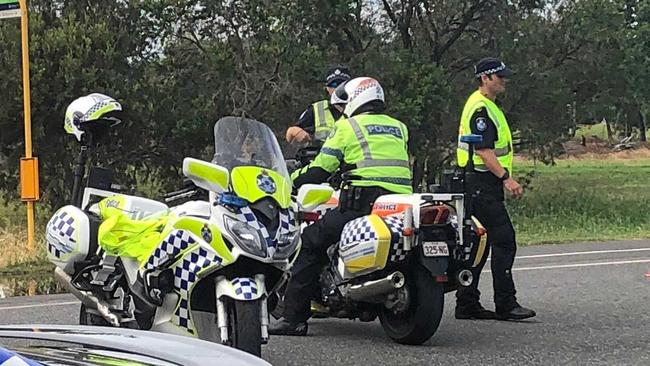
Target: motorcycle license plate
point(435, 249)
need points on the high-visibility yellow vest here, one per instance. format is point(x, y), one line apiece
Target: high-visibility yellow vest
point(375, 146)
point(502, 147)
point(323, 120)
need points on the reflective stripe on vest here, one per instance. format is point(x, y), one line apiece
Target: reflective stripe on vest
point(368, 161)
point(324, 120)
point(398, 181)
point(503, 151)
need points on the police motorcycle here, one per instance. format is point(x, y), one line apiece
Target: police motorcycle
point(398, 262)
point(185, 269)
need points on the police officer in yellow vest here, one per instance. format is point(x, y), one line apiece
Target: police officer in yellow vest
point(316, 122)
point(493, 164)
point(371, 149)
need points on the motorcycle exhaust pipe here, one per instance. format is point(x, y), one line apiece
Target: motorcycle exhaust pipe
point(87, 299)
point(465, 277)
point(377, 287)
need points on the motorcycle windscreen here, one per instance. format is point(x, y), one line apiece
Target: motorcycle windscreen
point(250, 151)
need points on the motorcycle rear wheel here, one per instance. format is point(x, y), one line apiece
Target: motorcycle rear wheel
point(421, 320)
point(245, 326)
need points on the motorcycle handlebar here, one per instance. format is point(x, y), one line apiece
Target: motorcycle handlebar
point(179, 192)
point(169, 197)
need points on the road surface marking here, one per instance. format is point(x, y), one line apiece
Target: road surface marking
point(584, 253)
point(578, 265)
point(38, 305)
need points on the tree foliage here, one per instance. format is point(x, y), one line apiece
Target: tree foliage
point(179, 65)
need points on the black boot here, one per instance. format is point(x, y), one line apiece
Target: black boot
point(474, 312)
point(517, 313)
point(286, 327)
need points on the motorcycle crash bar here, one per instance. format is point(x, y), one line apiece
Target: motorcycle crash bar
point(377, 287)
point(89, 300)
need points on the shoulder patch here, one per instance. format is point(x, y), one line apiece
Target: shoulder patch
point(481, 124)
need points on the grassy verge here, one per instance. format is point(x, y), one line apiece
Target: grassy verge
point(16, 258)
point(584, 200)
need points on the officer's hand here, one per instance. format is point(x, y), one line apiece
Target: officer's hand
point(297, 135)
point(514, 188)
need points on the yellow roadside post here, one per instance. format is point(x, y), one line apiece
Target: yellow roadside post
point(29, 191)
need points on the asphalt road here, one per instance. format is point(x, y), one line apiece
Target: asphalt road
point(592, 300)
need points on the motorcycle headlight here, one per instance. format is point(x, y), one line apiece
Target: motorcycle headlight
point(287, 245)
point(247, 237)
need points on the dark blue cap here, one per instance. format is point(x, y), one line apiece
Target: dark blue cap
point(491, 65)
point(337, 75)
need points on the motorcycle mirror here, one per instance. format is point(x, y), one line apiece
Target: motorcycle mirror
point(211, 177)
point(312, 195)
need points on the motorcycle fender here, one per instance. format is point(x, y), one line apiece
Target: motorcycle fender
point(241, 288)
point(438, 266)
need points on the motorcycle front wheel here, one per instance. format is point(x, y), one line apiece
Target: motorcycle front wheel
point(421, 320)
point(89, 318)
point(245, 326)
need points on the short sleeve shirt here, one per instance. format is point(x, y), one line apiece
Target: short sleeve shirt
point(481, 124)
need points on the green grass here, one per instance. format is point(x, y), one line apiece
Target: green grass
point(583, 200)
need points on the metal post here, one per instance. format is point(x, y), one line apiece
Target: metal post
point(27, 111)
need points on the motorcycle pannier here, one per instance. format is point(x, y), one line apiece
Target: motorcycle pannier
point(365, 244)
point(68, 237)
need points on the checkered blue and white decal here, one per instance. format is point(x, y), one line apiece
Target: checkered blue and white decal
point(287, 222)
point(185, 275)
point(8, 358)
point(396, 225)
point(356, 231)
point(245, 287)
point(174, 243)
point(60, 229)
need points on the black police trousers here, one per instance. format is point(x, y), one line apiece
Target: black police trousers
point(490, 210)
point(316, 238)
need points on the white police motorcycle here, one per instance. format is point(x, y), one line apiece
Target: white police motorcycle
point(204, 268)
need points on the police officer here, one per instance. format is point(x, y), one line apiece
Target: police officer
point(493, 165)
point(371, 148)
point(318, 119)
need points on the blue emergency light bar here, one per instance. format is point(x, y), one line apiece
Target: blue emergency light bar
point(229, 199)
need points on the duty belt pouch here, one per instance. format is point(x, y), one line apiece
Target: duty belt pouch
point(356, 202)
point(346, 201)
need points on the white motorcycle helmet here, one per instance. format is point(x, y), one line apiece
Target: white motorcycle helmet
point(359, 92)
point(91, 108)
point(339, 97)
